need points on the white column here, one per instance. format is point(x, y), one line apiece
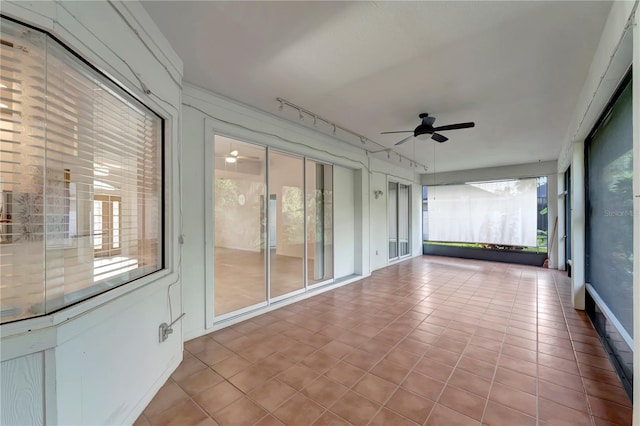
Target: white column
point(578, 225)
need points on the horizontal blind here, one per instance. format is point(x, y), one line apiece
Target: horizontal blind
point(22, 159)
point(99, 175)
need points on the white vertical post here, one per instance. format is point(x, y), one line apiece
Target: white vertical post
point(636, 217)
point(578, 225)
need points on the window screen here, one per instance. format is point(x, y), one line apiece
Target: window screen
point(501, 212)
point(610, 210)
point(80, 178)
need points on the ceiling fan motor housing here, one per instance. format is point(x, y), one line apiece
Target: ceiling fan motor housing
point(426, 127)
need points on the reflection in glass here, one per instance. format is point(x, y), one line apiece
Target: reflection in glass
point(240, 232)
point(403, 219)
point(392, 209)
point(286, 200)
point(319, 183)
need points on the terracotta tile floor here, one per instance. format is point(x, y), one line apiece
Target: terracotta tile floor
point(431, 341)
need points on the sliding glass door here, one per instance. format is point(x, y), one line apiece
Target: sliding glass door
point(286, 224)
point(403, 219)
point(319, 189)
point(273, 232)
point(398, 214)
point(392, 217)
point(240, 232)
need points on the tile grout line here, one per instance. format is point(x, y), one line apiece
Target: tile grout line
point(573, 347)
point(538, 349)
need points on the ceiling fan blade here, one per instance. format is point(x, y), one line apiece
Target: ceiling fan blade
point(399, 131)
point(439, 138)
point(454, 126)
point(404, 140)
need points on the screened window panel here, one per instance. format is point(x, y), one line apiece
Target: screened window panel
point(610, 211)
point(502, 212)
point(84, 179)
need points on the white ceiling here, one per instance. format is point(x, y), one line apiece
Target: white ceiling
point(514, 68)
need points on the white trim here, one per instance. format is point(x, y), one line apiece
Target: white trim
point(209, 224)
point(610, 316)
point(287, 295)
point(239, 312)
point(223, 321)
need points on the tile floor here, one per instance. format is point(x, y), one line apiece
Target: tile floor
point(429, 341)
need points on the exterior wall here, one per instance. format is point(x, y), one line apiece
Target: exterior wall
point(100, 361)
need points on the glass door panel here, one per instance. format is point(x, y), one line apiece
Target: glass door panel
point(319, 184)
point(392, 210)
point(403, 219)
point(286, 197)
point(240, 231)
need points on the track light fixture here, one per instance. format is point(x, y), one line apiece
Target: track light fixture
point(335, 127)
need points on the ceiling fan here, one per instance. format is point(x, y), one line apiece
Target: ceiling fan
point(426, 127)
point(234, 156)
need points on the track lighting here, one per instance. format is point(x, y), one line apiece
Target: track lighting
point(366, 142)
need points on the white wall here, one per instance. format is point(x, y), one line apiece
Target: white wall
point(381, 173)
point(344, 221)
point(100, 362)
point(206, 114)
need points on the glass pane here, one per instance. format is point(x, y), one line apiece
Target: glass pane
point(107, 146)
point(319, 222)
point(22, 197)
point(286, 224)
point(57, 186)
point(403, 219)
point(97, 225)
point(392, 207)
point(240, 234)
point(116, 224)
point(610, 211)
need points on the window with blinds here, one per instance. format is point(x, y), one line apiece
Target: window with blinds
point(81, 179)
